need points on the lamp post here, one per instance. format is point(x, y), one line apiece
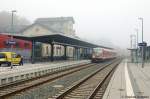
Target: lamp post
point(12, 29)
point(140, 18)
point(137, 41)
point(12, 26)
point(137, 36)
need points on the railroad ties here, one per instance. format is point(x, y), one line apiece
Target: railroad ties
point(90, 87)
point(11, 89)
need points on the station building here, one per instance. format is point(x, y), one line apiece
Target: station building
point(46, 26)
point(40, 27)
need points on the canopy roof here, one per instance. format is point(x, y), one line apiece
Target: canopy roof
point(57, 38)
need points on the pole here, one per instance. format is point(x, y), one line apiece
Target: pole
point(12, 30)
point(137, 37)
point(33, 52)
point(142, 29)
point(65, 52)
point(137, 45)
point(142, 46)
point(52, 51)
point(142, 56)
point(142, 42)
point(11, 34)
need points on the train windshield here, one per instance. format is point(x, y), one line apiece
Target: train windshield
point(97, 50)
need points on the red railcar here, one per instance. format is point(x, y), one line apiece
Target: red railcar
point(20, 44)
point(102, 54)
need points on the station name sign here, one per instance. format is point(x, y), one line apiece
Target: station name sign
point(142, 44)
point(10, 42)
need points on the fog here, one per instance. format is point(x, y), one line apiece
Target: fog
point(101, 21)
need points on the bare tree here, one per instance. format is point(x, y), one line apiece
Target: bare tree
point(5, 19)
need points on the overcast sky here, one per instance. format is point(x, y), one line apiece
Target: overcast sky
point(97, 20)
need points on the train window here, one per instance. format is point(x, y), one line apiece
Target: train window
point(17, 45)
point(6, 44)
point(26, 45)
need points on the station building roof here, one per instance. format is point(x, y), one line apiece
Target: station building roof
point(57, 38)
point(54, 19)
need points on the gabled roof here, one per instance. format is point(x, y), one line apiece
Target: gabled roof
point(42, 25)
point(54, 19)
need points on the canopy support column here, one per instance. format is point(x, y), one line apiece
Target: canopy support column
point(78, 53)
point(52, 52)
point(83, 53)
point(33, 52)
point(65, 52)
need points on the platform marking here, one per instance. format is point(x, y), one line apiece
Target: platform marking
point(129, 89)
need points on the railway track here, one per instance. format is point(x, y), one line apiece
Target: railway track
point(13, 88)
point(90, 87)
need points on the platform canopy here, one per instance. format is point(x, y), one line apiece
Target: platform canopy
point(57, 38)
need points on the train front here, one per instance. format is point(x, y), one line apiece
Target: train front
point(103, 54)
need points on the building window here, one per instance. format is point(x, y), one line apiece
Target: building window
point(58, 49)
point(26, 45)
point(70, 50)
point(47, 50)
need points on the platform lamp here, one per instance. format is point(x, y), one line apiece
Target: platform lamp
point(12, 26)
point(140, 18)
point(12, 30)
point(137, 41)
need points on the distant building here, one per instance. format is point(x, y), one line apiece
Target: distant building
point(59, 24)
point(45, 26)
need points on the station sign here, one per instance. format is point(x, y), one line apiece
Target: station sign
point(10, 42)
point(142, 44)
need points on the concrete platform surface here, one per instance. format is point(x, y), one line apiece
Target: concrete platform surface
point(28, 66)
point(130, 81)
point(27, 71)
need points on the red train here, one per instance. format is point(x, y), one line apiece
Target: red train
point(21, 44)
point(102, 54)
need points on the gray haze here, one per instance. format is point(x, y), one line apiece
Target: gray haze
point(5, 20)
point(95, 20)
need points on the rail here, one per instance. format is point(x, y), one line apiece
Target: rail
point(13, 88)
point(68, 91)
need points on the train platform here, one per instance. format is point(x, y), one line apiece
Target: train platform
point(130, 81)
point(27, 71)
